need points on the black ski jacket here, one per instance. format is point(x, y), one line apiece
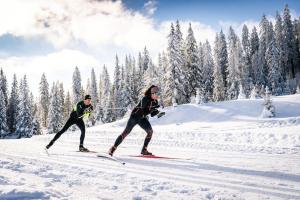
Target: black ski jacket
point(80, 110)
point(145, 107)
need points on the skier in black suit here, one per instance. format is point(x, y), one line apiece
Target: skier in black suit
point(147, 105)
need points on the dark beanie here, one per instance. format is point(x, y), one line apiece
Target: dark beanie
point(87, 97)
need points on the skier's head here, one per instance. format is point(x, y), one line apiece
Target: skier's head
point(152, 92)
point(87, 99)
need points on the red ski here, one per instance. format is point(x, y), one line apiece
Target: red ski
point(153, 156)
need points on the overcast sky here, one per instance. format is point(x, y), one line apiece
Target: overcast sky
point(54, 36)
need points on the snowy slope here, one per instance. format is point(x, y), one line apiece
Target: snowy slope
point(226, 151)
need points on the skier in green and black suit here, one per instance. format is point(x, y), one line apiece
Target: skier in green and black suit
point(82, 110)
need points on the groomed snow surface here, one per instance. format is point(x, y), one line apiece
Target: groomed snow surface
point(225, 151)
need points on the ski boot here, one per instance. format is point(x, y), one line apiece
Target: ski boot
point(145, 152)
point(83, 149)
point(49, 145)
point(112, 150)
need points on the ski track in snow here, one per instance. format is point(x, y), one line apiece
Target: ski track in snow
point(242, 159)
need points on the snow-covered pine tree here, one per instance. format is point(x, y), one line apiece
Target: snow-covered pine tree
point(3, 86)
point(162, 70)
point(24, 127)
point(109, 111)
point(106, 97)
point(88, 87)
point(298, 89)
point(44, 100)
point(296, 33)
point(254, 46)
point(223, 58)
point(262, 71)
point(241, 93)
point(77, 96)
point(288, 44)
point(55, 114)
point(68, 106)
point(254, 93)
point(180, 72)
point(12, 111)
point(219, 87)
point(272, 58)
point(36, 127)
point(199, 96)
point(61, 99)
point(233, 78)
point(140, 74)
point(127, 82)
point(94, 89)
point(247, 71)
point(280, 46)
point(117, 96)
point(194, 73)
point(169, 77)
point(145, 59)
point(208, 67)
point(3, 118)
point(268, 107)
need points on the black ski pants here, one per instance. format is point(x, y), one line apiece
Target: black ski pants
point(143, 123)
point(71, 121)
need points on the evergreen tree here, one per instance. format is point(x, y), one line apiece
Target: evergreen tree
point(180, 72)
point(94, 90)
point(77, 90)
point(288, 44)
point(3, 86)
point(247, 72)
point(268, 109)
point(3, 118)
point(24, 127)
point(241, 93)
point(262, 71)
point(170, 75)
point(12, 111)
point(233, 78)
point(117, 96)
point(254, 93)
point(55, 115)
point(68, 106)
point(272, 58)
point(223, 58)
point(219, 83)
point(208, 66)
point(280, 46)
point(194, 73)
point(254, 47)
point(44, 100)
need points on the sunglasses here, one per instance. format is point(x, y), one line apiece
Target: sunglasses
point(156, 93)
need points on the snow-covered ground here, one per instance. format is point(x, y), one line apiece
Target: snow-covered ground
point(225, 151)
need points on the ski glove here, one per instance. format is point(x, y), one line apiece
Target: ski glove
point(154, 112)
point(156, 106)
point(160, 114)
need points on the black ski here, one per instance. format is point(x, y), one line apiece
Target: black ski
point(108, 157)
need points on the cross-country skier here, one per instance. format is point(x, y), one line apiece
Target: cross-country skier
point(82, 110)
point(147, 105)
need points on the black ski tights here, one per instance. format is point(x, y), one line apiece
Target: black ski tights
point(143, 123)
point(71, 121)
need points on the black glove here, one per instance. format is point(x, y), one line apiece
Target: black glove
point(156, 106)
point(154, 112)
point(160, 114)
